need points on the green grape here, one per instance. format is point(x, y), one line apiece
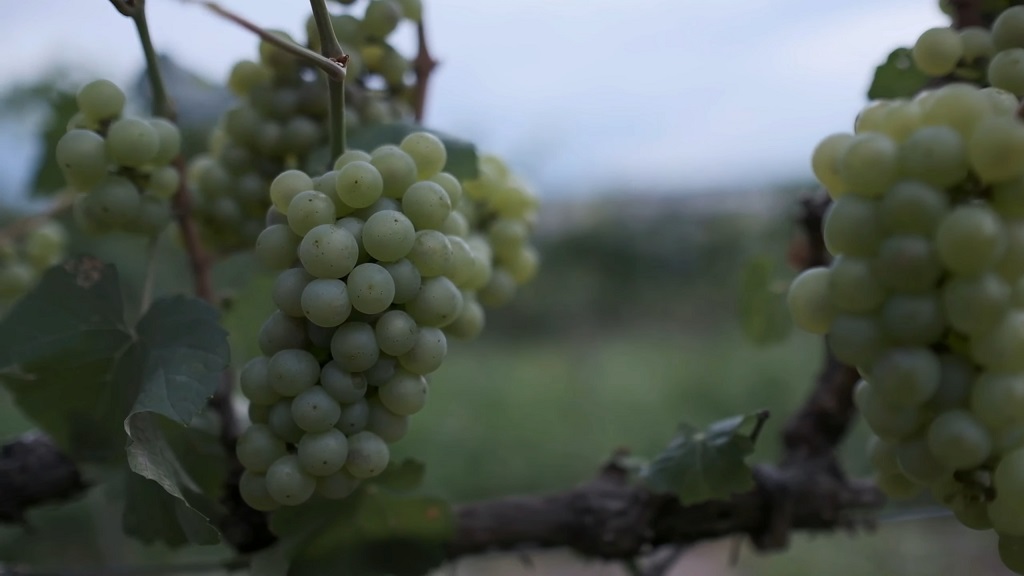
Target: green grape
point(499, 289)
point(912, 208)
point(918, 463)
point(870, 118)
point(168, 138)
point(974, 304)
point(82, 157)
point(825, 162)
point(381, 18)
point(1000, 347)
point(16, 278)
point(277, 247)
point(437, 304)
point(426, 204)
point(359, 184)
point(1008, 439)
point(309, 209)
point(351, 156)
point(288, 483)
point(381, 371)
point(996, 146)
point(255, 384)
point(906, 377)
point(888, 422)
point(246, 76)
point(286, 186)
point(326, 302)
point(337, 486)
point(451, 186)
point(292, 371)
point(852, 227)
point(371, 288)
point(368, 455)
point(897, 486)
point(456, 225)
point(1005, 515)
point(970, 239)
point(388, 235)
point(163, 182)
point(407, 280)
point(328, 251)
point(132, 142)
point(470, 322)
point(384, 423)
point(1008, 28)
point(869, 164)
point(153, 216)
point(281, 422)
point(427, 151)
point(354, 347)
point(1011, 265)
point(996, 399)
point(462, 266)
point(115, 200)
point(1011, 552)
point(901, 120)
point(431, 253)
point(314, 410)
point(882, 455)
point(323, 453)
point(853, 286)
point(258, 447)
point(958, 440)
point(281, 332)
point(978, 44)
point(1002, 102)
point(958, 106)
point(907, 264)
point(353, 417)
point(1008, 477)
point(955, 382)
point(287, 291)
point(972, 514)
point(412, 9)
point(913, 319)
point(396, 332)
point(934, 155)
point(100, 100)
point(404, 394)
point(809, 300)
point(253, 489)
point(345, 387)
point(427, 354)
point(45, 244)
point(937, 51)
point(396, 167)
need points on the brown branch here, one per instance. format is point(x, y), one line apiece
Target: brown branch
point(424, 65)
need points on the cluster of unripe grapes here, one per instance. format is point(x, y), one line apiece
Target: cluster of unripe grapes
point(119, 166)
point(280, 118)
point(23, 260)
point(989, 57)
point(381, 260)
point(925, 296)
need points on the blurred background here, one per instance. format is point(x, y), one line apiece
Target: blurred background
point(669, 141)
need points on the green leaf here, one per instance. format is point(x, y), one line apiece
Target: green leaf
point(48, 178)
point(59, 347)
point(167, 506)
point(897, 77)
point(185, 354)
point(462, 158)
point(764, 313)
point(709, 464)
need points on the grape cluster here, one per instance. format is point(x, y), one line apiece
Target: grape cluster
point(278, 122)
point(22, 261)
point(379, 265)
point(120, 164)
point(925, 296)
point(976, 54)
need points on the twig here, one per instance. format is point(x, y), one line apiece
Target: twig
point(333, 69)
point(162, 105)
point(424, 65)
point(332, 50)
point(23, 226)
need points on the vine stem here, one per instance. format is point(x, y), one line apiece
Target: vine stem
point(331, 49)
point(424, 64)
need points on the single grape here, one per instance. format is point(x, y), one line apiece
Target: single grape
point(937, 51)
point(100, 100)
point(405, 393)
point(936, 155)
point(254, 382)
point(288, 483)
point(437, 304)
point(869, 164)
point(427, 354)
point(287, 291)
point(396, 332)
point(354, 417)
point(368, 455)
point(1008, 28)
point(396, 167)
point(169, 139)
point(281, 332)
point(427, 151)
point(309, 209)
point(384, 423)
point(906, 377)
point(323, 453)
point(253, 490)
point(451, 186)
point(345, 387)
point(852, 227)
point(470, 322)
point(115, 200)
point(970, 239)
point(82, 157)
point(958, 440)
point(426, 204)
point(407, 280)
point(277, 247)
point(259, 447)
point(825, 162)
point(996, 399)
point(325, 302)
point(974, 304)
point(354, 347)
point(327, 251)
point(809, 301)
point(349, 157)
point(359, 184)
point(314, 410)
point(431, 253)
point(293, 371)
point(132, 142)
point(286, 186)
point(388, 235)
point(1006, 71)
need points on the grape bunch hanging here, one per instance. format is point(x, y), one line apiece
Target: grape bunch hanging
point(925, 296)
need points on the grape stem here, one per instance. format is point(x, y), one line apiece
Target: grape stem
point(333, 68)
point(331, 49)
point(23, 226)
point(424, 65)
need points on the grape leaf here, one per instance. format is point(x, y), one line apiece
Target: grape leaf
point(897, 77)
point(462, 158)
point(700, 465)
point(764, 313)
point(59, 345)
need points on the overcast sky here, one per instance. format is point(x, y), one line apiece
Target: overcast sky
point(581, 95)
